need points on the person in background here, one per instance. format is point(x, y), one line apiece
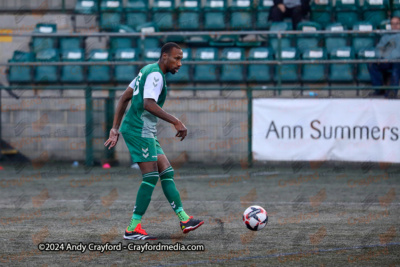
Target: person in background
point(295, 9)
point(387, 48)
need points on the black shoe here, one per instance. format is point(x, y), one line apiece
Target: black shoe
point(190, 225)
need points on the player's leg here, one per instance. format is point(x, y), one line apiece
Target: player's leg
point(143, 151)
point(172, 194)
point(169, 187)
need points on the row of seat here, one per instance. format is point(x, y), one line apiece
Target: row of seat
point(217, 15)
point(113, 21)
point(93, 6)
point(359, 41)
point(349, 11)
point(334, 39)
point(207, 73)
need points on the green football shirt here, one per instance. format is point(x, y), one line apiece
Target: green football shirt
point(150, 83)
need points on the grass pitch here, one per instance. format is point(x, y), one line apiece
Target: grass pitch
point(319, 215)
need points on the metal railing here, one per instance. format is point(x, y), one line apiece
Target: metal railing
point(142, 35)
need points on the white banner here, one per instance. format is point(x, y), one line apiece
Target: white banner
point(326, 129)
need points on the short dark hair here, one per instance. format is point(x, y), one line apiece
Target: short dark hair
point(168, 47)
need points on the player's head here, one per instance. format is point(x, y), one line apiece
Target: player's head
point(171, 56)
point(395, 23)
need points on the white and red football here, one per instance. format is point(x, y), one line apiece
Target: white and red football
point(255, 218)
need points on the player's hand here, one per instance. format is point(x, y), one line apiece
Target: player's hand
point(113, 139)
point(181, 130)
point(282, 7)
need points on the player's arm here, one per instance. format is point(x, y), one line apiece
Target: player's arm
point(151, 106)
point(121, 108)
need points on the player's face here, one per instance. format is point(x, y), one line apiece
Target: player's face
point(174, 60)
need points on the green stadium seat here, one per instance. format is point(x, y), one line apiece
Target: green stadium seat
point(46, 74)
point(121, 42)
point(134, 19)
point(363, 41)
point(111, 5)
point(244, 43)
point(147, 27)
point(87, 7)
point(314, 73)
point(232, 72)
point(308, 41)
point(262, 13)
point(347, 12)
point(123, 29)
point(241, 14)
point(72, 73)
point(385, 25)
point(148, 42)
point(174, 38)
point(224, 41)
point(20, 56)
point(336, 38)
point(286, 41)
point(164, 20)
point(125, 73)
point(289, 72)
point(374, 11)
point(163, 14)
point(136, 5)
point(257, 72)
point(183, 75)
point(321, 12)
point(45, 28)
point(396, 8)
point(110, 21)
point(163, 5)
point(197, 40)
point(189, 15)
point(152, 54)
point(339, 73)
point(67, 43)
point(20, 74)
point(40, 43)
point(99, 73)
point(362, 69)
point(205, 73)
point(214, 15)
point(189, 20)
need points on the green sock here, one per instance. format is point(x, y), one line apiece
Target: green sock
point(171, 193)
point(143, 198)
point(136, 219)
point(183, 217)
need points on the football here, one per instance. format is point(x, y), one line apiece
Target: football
point(255, 218)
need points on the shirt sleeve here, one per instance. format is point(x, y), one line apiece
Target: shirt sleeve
point(153, 86)
point(132, 84)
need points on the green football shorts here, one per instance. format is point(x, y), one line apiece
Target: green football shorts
point(142, 149)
